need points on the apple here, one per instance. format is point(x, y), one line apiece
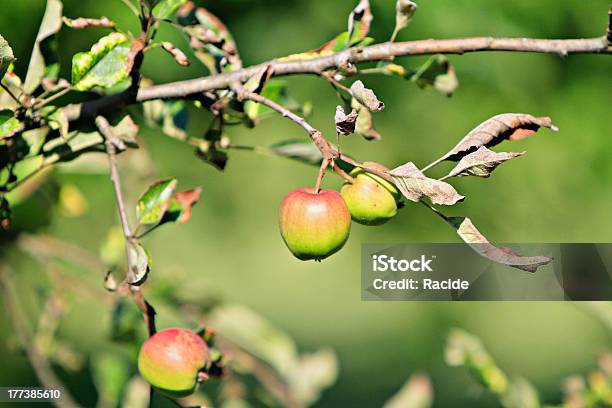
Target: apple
point(371, 199)
point(171, 360)
point(314, 225)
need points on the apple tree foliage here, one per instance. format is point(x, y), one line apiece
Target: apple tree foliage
point(39, 130)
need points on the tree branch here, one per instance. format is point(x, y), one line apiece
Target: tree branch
point(148, 312)
point(378, 52)
point(316, 136)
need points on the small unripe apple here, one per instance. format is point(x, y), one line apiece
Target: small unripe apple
point(314, 226)
point(371, 199)
point(171, 360)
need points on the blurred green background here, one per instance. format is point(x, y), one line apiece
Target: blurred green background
point(231, 249)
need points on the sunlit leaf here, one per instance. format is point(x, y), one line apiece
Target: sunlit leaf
point(167, 9)
point(153, 204)
point(210, 39)
point(438, 73)
point(139, 262)
point(9, 124)
point(414, 184)
point(6, 56)
point(44, 62)
point(105, 65)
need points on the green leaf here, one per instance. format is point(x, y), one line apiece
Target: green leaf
point(210, 39)
point(139, 262)
point(305, 152)
point(9, 124)
point(275, 90)
point(105, 65)
point(6, 56)
point(166, 9)
point(172, 116)
point(364, 125)
point(44, 62)
point(154, 203)
point(438, 73)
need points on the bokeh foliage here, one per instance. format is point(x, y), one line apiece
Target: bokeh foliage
point(230, 250)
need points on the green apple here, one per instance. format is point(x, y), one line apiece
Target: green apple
point(314, 226)
point(371, 199)
point(171, 360)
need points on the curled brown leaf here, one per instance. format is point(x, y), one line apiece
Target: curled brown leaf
point(479, 243)
point(345, 124)
point(481, 163)
point(414, 184)
point(366, 97)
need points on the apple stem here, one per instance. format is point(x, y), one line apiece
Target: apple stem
point(322, 169)
point(342, 173)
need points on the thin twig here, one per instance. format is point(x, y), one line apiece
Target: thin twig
point(39, 362)
point(316, 136)
point(52, 97)
point(145, 307)
point(107, 132)
point(8, 91)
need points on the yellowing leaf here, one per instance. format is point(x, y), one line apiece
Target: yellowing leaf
point(105, 65)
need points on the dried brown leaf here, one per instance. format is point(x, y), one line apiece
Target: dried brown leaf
point(413, 184)
point(81, 22)
point(511, 126)
point(345, 124)
point(178, 55)
point(366, 97)
point(404, 10)
point(481, 163)
point(479, 243)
